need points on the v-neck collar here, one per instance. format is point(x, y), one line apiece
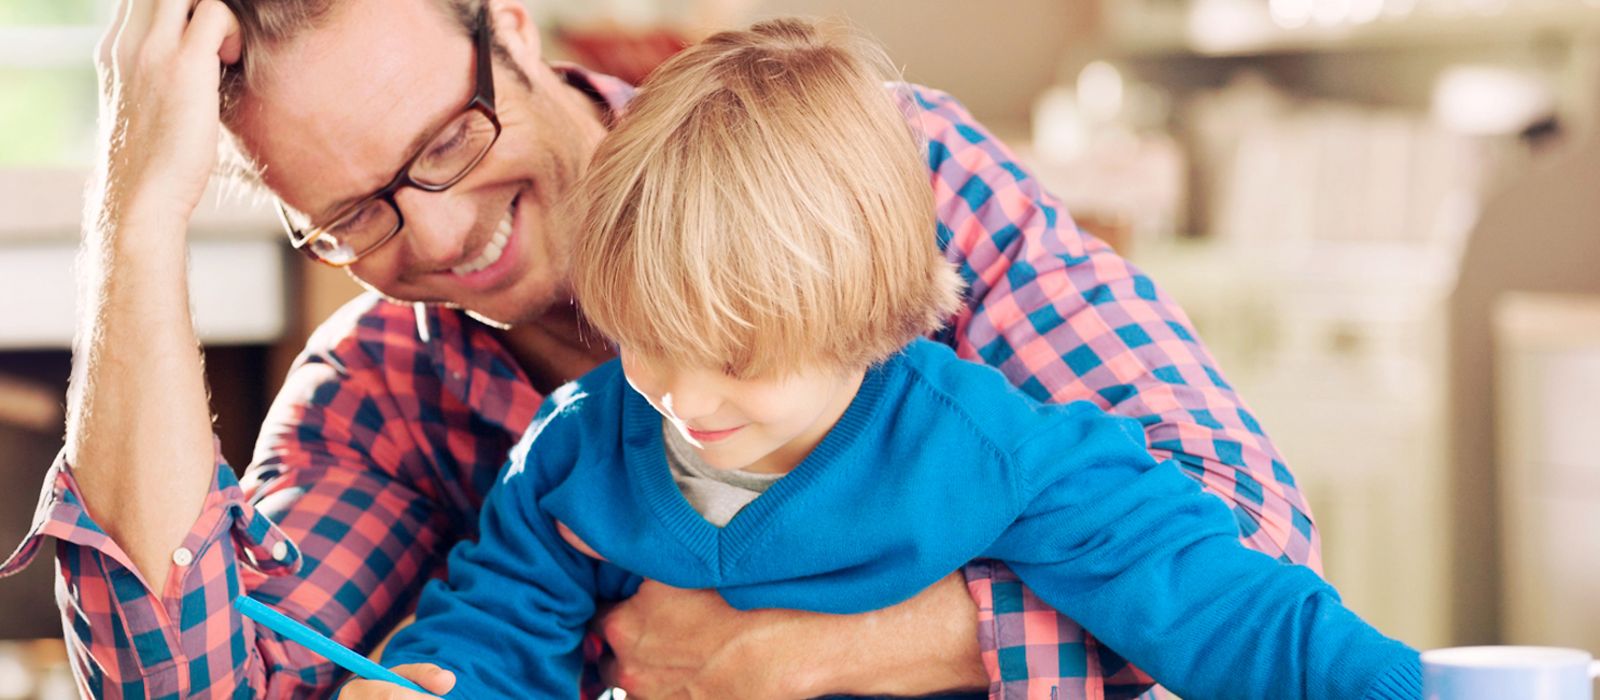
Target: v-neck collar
point(722, 549)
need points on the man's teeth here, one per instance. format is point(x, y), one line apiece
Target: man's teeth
point(491, 253)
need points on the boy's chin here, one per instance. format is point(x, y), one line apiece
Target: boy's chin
point(724, 463)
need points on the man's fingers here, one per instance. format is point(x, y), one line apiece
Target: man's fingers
point(108, 41)
point(643, 684)
point(134, 32)
point(211, 31)
point(617, 628)
point(169, 17)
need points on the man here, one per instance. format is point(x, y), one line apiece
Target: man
point(434, 173)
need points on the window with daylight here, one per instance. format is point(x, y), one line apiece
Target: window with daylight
point(47, 116)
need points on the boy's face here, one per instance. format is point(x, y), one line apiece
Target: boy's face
point(762, 425)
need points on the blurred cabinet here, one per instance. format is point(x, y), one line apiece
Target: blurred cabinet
point(31, 386)
point(1547, 374)
point(1341, 158)
point(1339, 351)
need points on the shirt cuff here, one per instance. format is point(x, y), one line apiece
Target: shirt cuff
point(61, 514)
point(981, 580)
point(1029, 649)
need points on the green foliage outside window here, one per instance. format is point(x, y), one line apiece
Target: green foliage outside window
point(52, 12)
point(47, 108)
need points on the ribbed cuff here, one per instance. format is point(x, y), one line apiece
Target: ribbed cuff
point(1403, 681)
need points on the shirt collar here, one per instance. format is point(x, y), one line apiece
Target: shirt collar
point(609, 93)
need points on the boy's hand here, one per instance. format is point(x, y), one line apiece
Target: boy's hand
point(436, 680)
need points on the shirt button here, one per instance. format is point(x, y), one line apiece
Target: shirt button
point(280, 550)
point(182, 556)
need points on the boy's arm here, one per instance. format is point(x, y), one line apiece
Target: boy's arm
point(509, 619)
point(1153, 567)
point(1065, 318)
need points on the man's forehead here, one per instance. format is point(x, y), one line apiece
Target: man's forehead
point(337, 107)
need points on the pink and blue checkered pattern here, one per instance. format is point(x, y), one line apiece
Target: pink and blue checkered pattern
point(375, 458)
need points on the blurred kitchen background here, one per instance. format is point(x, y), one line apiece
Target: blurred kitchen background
point(1381, 214)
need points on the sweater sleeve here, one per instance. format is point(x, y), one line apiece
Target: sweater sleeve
point(1133, 550)
point(509, 618)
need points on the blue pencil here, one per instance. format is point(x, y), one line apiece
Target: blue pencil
point(315, 641)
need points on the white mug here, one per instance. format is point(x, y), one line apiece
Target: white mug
point(1503, 672)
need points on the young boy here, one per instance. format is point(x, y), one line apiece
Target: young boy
point(755, 240)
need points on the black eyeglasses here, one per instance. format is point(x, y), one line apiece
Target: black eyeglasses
point(448, 156)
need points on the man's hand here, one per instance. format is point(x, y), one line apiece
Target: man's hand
point(673, 644)
point(160, 69)
point(432, 678)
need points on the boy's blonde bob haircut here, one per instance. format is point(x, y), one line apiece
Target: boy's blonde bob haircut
point(763, 208)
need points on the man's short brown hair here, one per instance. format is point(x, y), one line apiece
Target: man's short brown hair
point(264, 23)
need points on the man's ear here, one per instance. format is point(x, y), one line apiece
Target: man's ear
point(516, 30)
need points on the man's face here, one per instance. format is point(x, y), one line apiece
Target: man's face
point(336, 115)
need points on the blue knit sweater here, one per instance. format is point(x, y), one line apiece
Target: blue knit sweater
point(937, 461)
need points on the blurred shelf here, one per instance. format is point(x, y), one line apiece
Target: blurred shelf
point(1236, 29)
point(48, 47)
point(1549, 320)
point(237, 289)
point(46, 204)
point(237, 262)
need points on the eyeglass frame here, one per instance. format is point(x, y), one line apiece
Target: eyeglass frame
point(482, 101)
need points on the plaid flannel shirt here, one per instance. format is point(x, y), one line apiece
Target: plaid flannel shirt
point(395, 420)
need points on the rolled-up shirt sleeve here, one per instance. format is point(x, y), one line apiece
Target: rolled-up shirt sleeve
point(130, 638)
point(367, 470)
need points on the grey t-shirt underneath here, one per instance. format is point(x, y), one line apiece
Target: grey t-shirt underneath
point(718, 494)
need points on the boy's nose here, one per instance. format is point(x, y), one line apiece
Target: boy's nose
point(688, 402)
